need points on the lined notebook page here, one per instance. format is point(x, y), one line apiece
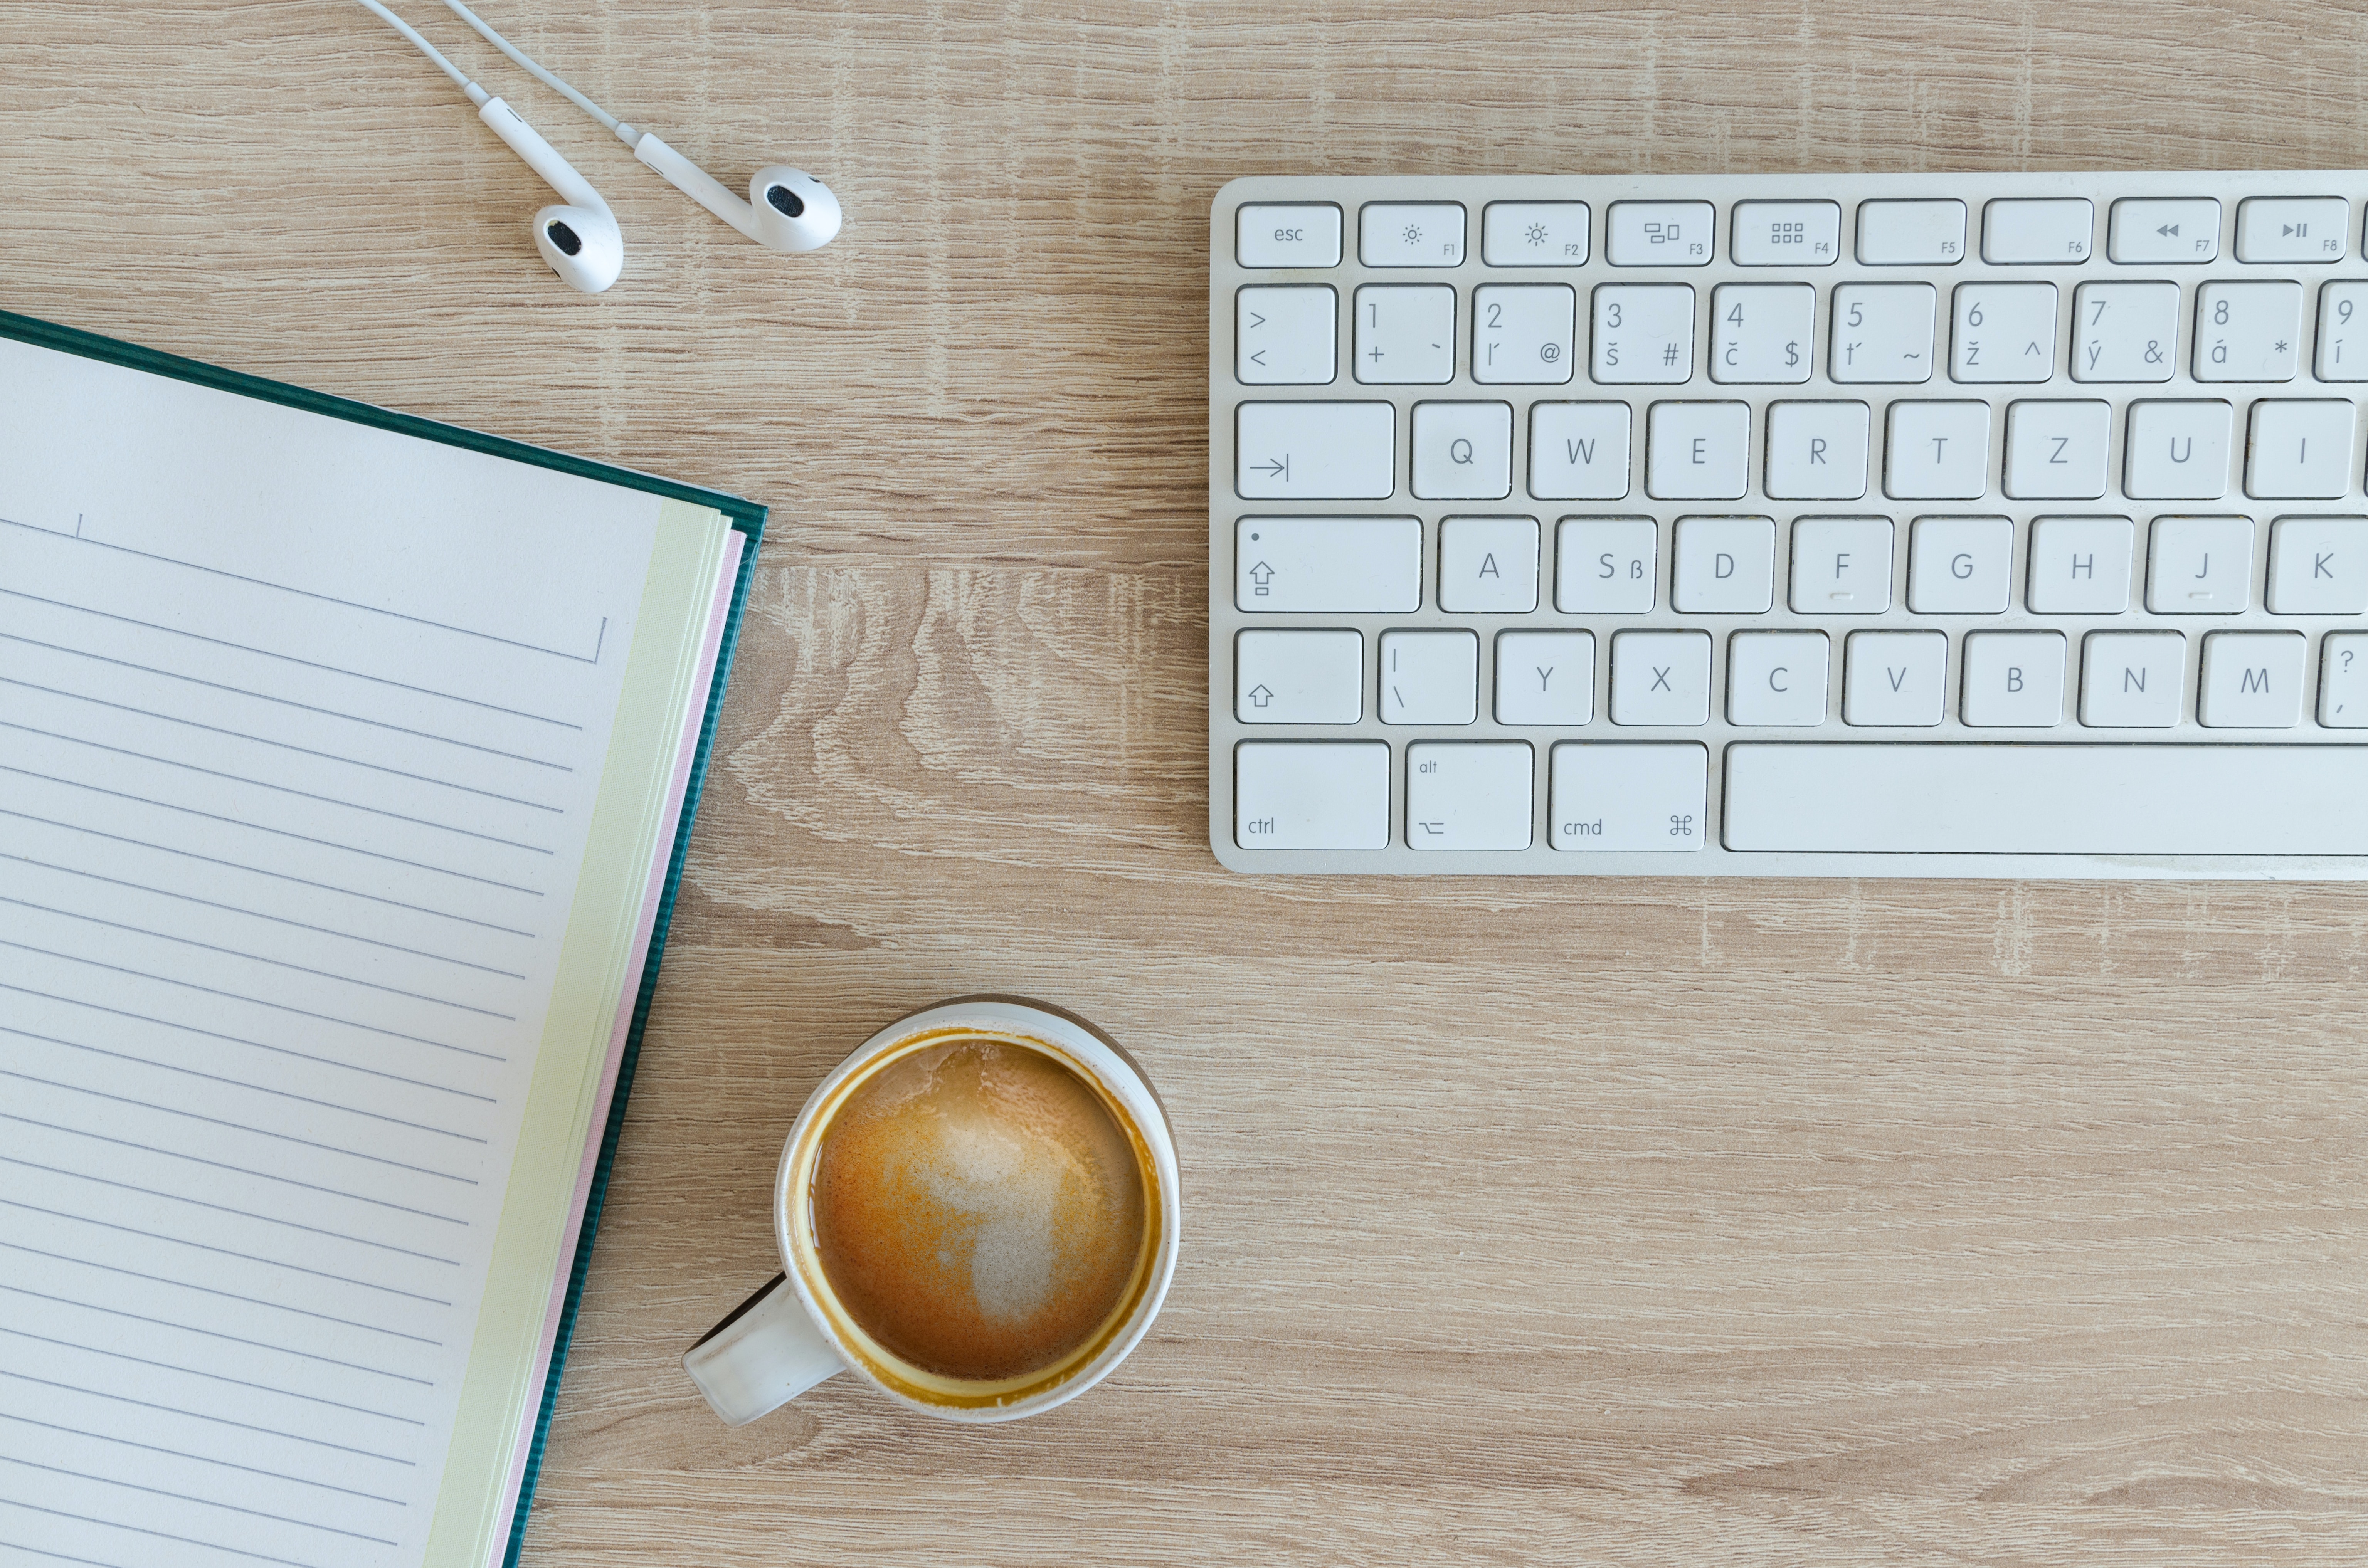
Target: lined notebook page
point(301, 724)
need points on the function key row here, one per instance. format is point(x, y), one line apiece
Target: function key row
point(2015, 232)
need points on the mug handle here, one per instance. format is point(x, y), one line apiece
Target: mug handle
point(765, 1353)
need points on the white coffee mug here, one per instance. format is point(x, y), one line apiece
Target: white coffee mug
point(794, 1332)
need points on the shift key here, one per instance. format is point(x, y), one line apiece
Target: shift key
point(1315, 451)
point(1328, 565)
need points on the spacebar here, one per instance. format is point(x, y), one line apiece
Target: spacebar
point(2047, 799)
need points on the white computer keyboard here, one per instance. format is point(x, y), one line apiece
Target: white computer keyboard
point(1911, 525)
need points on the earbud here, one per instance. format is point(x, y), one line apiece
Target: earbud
point(579, 237)
point(787, 209)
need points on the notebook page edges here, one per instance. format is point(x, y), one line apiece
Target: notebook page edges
point(302, 728)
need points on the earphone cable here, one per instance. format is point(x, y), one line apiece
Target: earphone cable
point(476, 94)
point(624, 132)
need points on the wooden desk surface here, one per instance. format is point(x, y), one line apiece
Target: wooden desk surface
point(1633, 1223)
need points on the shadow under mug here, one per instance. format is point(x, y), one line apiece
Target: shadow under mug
point(794, 1332)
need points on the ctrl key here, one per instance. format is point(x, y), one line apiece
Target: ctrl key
point(1312, 794)
point(1609, 796)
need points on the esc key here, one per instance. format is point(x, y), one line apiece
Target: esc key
point(1289, 235)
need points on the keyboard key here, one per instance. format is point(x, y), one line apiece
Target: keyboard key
point(1609, 797)
point(1463, 451)
point(1522, 332)
point(2301, 449)
point(2200, 566)
point(2047, 799)
point(2251, 680)
point(2079, 565)
point(2178, 451)
point(1723, 566)
point(1760, 331)
point(1299, 677)
point(1534, 234)
point(2292, 228)
point(1284, 336)
point(1841, 565)
point(2003, 331)
point(2152, 230)
point(1430, 677)
point(2013, 680)
point(1488, 565)
point(2133, 680)
point(1405, 334)
point(1314, 450)
point(2054, 231)
point(1288, 235)
point(2318, 566)
point(1391, 233)
point(1883, 332)
point(1911, 233)
point(1937, 451)
point(1546, 678)
point(1786, 234)
point(1468, 795)
point(1644, 333)
point(1606, 565)
point(1894, 677)
point(1776, 678)
point(1660, 677)
point(2344, 333)
point(2343, 682)
point(2056, 450)
point(2124, 332)
point(1578, 451)
point(2248, 332)
point(1697, 452)
point(1959, 565)
point(1312, 794)
point(1816, 451)
point(1328, 565)
point(1659, 234)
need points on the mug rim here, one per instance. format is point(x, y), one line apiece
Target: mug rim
point(1117, 1074)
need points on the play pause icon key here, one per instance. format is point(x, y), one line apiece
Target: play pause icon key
point(2293, 228)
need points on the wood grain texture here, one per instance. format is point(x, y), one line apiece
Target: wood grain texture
point(1643, 1223)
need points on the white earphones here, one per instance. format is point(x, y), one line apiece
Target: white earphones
point(578, 235)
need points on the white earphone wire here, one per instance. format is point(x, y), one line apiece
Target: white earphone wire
point(624, 132)
point(476, 94)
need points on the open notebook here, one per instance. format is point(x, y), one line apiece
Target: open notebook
point(347, 762)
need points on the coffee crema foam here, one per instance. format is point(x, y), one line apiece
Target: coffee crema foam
point(978, 1209)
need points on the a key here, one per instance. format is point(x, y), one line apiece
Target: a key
point(2343, 681)
point(2292, 228)
point(2248, 332)
point(2150, 231)
point(1816, 451)
point(2318, 566)
point(2200, 566)
point(1328, 565)
point(2178, 451)
point(1312, 794)
point(1723, 566)
point(2344, 333)
point(1937, 451)
point(1430, 677)
point(2003, 331)
point(1911, 233)
point(2300, 449)
point(1468, 795)
point(1578, 451)
point(1288, 235)
point(1785, 234)
point(2079, 565)
point(1400, 234)
point(1894, 677)
point(1405, 334)
point(1522, 332)
point(1284, 336)
point(1488, 565)
point(1644, 333)
point(2251, 680)
point(1299, 677)
point(2053, 231)
point(1610, 797)
point(1314, 450)
point(1660, 677)
point(2013, 680)
point(2133, 680)
point(1959, 565)
point(1605, 565)
point(1534, 234)
point(1546, 678)
point(1696, 451)
point(1760, 331)
point(2056, 450)
point(1776, 678)
point(1463, 451)
point(1841, 566)
point(1882, 332)
point(2124, 332)
point(1659, 234)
